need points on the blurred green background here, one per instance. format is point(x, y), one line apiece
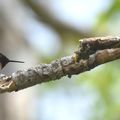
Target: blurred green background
point(39, 31)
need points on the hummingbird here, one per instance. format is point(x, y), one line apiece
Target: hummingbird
point(4, 60)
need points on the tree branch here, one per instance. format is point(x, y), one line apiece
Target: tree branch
point(92, 52)
point(45, 16)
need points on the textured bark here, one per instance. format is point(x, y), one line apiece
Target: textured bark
point(92, 52)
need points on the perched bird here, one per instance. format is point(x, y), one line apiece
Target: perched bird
point(4, 60)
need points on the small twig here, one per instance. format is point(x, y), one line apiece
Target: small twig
point(89, 46)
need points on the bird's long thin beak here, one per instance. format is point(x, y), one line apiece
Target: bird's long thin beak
point(16, 61)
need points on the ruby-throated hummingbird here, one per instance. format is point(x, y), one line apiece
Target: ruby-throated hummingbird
point(4, 60)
